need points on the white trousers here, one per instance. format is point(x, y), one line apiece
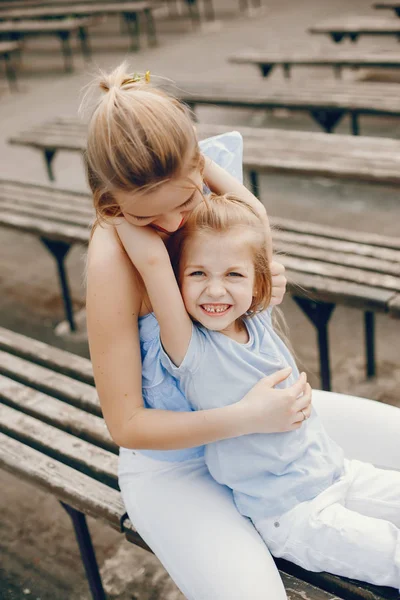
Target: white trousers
point(351, 529)
point(192, 524)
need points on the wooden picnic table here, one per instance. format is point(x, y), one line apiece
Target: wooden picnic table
point(7, 50)
point(340, 28)
point(360, 158)
point(325, 266)
point(266, 60)
point(129, 11)
point(53, 435)
point(326, 103)
point(18, 30)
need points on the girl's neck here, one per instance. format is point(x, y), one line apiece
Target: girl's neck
point(237, 331)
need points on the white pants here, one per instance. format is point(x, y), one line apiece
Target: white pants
point(351, 529)
point(194, 528)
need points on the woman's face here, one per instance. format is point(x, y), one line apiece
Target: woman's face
point(164, 208)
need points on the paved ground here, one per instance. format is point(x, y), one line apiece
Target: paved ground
point(39, 555)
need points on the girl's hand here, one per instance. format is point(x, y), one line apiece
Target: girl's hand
point(278, 282)
point(265, 409)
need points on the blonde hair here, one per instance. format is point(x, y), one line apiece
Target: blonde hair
point(138, 137)
point(220, 214)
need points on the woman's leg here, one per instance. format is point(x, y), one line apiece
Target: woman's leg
point(192, 525)
point(366, 430)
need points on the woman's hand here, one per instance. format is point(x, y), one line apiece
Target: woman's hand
point(278, 282)
point(265, 409)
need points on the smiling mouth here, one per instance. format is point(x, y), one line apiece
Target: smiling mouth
point(215, 310)
point(158, 228)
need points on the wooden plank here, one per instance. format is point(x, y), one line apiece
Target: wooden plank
point(79, 454)
point(57, 413)
point(54, 384)
point(59, 215)
point(47, 356)
point(44, 27)
point(357, 24)
point(72, 10)
point(324, 57)
point(68, 485)
point(6, 47)
point(47, 229)
point(394, 307)
point(346, 588)
point(319, 288)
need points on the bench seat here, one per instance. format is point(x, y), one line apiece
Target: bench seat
point(325, 266)
point(52, 437)
point(266, 60)
point(129, 11)
point(340, 28)
point(265, 150)
point(19, 30)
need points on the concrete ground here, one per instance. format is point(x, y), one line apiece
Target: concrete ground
point(39, 555)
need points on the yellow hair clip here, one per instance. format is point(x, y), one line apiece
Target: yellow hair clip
point(136, 78)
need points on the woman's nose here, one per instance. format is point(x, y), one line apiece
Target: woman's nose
point(169, 222)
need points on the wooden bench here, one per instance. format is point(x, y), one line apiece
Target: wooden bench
point(52, 435)
point(325, 266)
point(63, 29)
point(326, 103)
point(7, 50)
point(265, 60)
point(352, 27)
point(395, 6)
point(129, 11)
point(362, 158)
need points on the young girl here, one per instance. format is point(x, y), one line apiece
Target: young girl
point(143, 156)
point(309, 504)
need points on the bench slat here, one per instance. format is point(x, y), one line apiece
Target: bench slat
point(79, 454)
point(337, 252)
point(336, 290)
point(95, 9)
point(45, 355)
point(54, 384)
point(68, 485)
point(50, 410)
point(59, 215)
point(48, 229)
point(44, 27)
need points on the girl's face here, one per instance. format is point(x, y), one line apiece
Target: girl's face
point(164, 208)
point(217, 278)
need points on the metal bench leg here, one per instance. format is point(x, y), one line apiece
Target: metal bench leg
point(194, 11)
point(328, 119)
point(369, 326)
point(65, 37)
point(337, 37)
point(49, 155)
point(59, 250)
point(254, 183)
point(209, 10)
point(132, 23)
point(85, 46)
point(355, 127)
point(150, 27)
point(266, 69)
point(319, 314)
point(87, 552)
point(10, 72)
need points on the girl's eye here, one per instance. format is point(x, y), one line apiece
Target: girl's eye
point(196, 274)
point(188, 202)
point(141, 218)
point(234, 274)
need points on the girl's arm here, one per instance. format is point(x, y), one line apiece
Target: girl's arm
point(114, 297)
point(148, 253)
point(221, 182)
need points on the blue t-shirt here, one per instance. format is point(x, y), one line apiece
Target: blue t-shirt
point(268, 473)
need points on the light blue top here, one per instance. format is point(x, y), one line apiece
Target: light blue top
point(268, 473)
point(160, 389)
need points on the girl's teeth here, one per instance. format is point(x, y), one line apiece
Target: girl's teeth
point(215, 309)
